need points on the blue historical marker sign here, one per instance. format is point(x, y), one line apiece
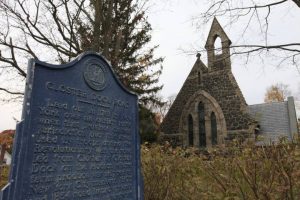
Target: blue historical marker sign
point(78, 138)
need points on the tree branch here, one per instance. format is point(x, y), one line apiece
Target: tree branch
point(268, 47)
point(10, 92)
point(252, 10)
point(220, 3)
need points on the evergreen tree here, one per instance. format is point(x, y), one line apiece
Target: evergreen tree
point(148, 128)
point(118, 29)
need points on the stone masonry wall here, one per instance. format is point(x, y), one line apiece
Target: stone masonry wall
point(223, 87)
point(170, 124)
point(219, 84)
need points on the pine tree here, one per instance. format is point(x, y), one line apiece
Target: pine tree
point(118, 29)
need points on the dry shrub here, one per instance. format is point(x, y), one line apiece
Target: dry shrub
point(235, 172)
point(4, 173)
point(173, 173)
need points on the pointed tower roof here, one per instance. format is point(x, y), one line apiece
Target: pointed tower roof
point(216, 30)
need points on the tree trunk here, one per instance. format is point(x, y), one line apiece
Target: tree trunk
point(107, 30)
point(97, 25)
point(2, 154)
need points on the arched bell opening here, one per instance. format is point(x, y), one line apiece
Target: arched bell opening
point(218, 46)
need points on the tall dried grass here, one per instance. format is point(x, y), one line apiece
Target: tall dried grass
point(235, 172)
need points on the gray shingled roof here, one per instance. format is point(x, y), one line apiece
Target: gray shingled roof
point(273, 119)
point(297, 107)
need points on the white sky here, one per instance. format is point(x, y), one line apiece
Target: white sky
point(174, 30)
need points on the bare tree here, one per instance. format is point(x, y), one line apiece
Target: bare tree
point(167, 105)
point(59, 30)
point(258, 13)
point(277, 93)
point(162, 109)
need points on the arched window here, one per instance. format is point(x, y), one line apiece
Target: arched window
point(218, 46)
point(199, 78)
point(191, 130)
point(202, 133)
point(214, 134)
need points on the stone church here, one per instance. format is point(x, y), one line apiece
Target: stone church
point(210, 107)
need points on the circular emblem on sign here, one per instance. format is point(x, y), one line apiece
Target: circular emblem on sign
point(95, 75)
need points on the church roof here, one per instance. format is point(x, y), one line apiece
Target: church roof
point(275, 119)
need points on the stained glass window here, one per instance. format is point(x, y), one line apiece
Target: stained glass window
point(202, 133)
point(214, 135)
point(191, 131)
